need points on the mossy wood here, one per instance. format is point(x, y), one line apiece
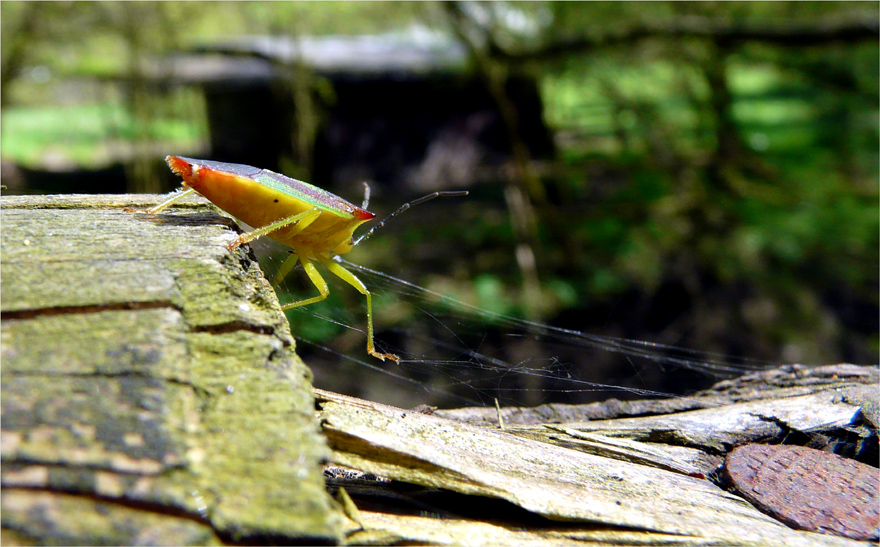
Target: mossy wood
point(150, 389)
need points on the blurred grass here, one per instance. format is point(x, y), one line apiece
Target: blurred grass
point(89, 134)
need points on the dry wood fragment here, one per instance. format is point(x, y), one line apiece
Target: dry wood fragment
point(557, 483)
point(719, 429)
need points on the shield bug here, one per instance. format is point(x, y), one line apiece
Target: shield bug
point(313, 222)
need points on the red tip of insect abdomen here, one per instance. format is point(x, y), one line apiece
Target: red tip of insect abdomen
point(180, 167)
point(363, 214)
point(192, 172)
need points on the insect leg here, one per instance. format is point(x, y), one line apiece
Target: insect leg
point(284, 269)
point(302, 219)
point(156, 208)
point(349, 278)
point(317, 280)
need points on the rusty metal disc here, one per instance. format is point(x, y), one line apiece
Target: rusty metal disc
point(808, 489)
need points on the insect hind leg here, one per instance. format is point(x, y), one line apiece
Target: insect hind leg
point(176, 195)
point(302, 220)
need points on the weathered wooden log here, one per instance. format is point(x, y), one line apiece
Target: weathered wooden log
point(151, 393)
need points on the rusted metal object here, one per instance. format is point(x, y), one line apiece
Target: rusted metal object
point(808, 489)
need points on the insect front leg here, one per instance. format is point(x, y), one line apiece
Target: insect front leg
point(350, 278)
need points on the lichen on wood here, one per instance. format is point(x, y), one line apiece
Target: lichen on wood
point(149, 376)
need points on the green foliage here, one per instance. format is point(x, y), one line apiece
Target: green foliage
point(793, 216)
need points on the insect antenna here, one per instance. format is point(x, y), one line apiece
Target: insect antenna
point(405, 206)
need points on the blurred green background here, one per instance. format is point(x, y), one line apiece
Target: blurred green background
point(713, 179)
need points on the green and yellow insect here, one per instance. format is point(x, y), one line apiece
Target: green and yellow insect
point(313, 222)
